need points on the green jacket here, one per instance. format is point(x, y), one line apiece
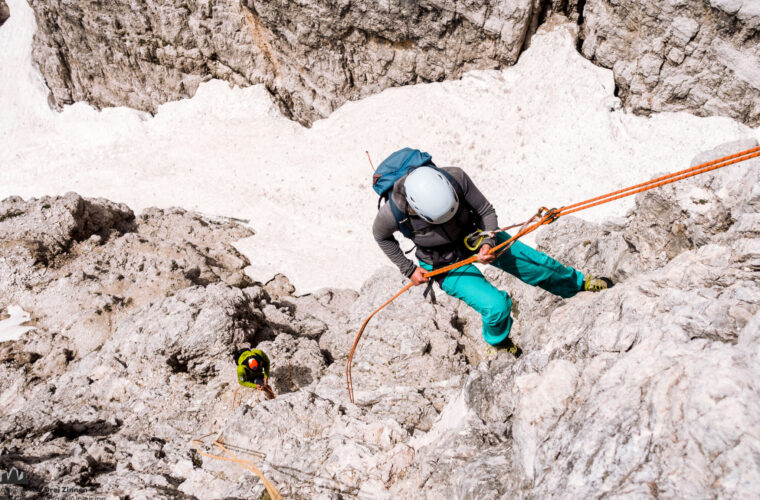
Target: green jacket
point(247, 377)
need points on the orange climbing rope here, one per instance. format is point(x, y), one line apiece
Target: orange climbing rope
point(546, 216)
point(273, 493)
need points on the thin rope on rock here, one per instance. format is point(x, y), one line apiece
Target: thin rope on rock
point(273, 493)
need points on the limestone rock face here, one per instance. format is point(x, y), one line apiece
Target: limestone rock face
point(112, 396)
point(647, 389)
point(312, 56)
point(701, 56)
point(80, 265)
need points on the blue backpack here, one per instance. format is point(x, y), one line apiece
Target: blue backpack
point(393, 168)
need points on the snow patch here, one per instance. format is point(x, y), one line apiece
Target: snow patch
point(13, 328)
point(455, 417)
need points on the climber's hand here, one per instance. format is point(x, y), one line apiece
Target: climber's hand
point(484, 257)
point(418, 277)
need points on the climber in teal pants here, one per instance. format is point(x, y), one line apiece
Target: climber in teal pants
point(536, 268)
point(438, 209)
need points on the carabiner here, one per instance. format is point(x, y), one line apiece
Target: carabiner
point(475, 234)
point(551, 213)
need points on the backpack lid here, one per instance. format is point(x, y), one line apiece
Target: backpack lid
point(396, 166)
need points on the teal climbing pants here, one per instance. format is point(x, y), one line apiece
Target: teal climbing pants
point(468, 284)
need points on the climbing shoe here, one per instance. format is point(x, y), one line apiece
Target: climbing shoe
point(592, 284)
point(506, 346)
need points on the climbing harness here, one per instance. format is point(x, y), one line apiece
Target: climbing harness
point(547, 216)
point(429, 291)
point(479, 235)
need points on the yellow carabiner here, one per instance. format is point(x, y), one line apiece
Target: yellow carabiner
point(474, 235)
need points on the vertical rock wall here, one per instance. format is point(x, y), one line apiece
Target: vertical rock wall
point(313, 56)
point(701, 56)
point(141, 54)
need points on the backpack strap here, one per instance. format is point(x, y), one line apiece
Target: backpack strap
point(402, 220)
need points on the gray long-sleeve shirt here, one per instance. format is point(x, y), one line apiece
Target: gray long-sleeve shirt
point(385, 223)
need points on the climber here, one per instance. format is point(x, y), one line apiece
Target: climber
point(253, 370)
point(437, 208)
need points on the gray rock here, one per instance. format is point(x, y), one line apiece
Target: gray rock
point(159, 372)
point(695, 55)
point(279, 287)
point(49, 226)
point(297, 362)
point(312, 56)
point(692, 55)
point(5, 12)
point(80, 265)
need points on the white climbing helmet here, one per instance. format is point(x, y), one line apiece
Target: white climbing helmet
point(431, 195)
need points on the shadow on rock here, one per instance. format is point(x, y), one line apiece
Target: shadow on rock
point(291, 378)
